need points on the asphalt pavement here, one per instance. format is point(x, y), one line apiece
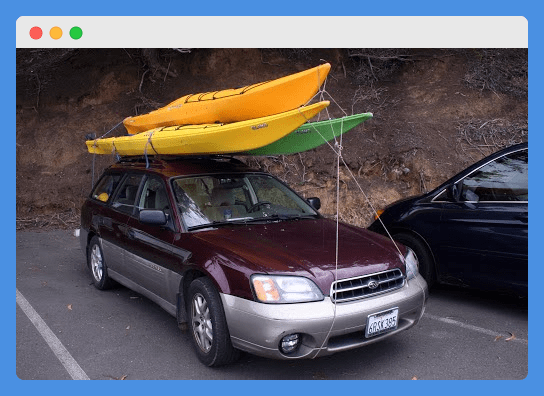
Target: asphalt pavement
point(67, 329)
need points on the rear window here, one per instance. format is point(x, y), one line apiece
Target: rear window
point(105, 187)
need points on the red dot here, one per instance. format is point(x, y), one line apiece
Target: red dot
point(36, 33)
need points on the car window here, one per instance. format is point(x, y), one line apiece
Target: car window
point(504, 179)
point(125, 200)
point(105, 187)
point(154, 195)
point(269, 189)
point(222, 198)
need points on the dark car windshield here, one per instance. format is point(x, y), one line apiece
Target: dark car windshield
point(223, 199)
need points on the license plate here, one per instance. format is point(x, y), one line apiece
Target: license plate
point(382, 322)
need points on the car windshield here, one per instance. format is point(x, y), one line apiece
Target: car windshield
point(224, 199)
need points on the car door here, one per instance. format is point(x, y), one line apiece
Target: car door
point(152, 262)
point(485, 232)
point(113, 222)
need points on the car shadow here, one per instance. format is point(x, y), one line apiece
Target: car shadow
point(485, 298)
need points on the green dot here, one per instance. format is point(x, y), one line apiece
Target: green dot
point(76, 32)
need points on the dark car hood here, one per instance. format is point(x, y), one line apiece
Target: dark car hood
point(305, 247)
point(407, 200)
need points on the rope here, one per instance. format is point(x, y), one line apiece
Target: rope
point(336, 252)
point(92, 179)
point(119, 123)
point(94, 145)
point(337, 149)
point(145, 148)
point(338, 156)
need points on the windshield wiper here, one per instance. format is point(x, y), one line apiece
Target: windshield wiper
point(273, 217)
point(283, 217)
point(212, 224)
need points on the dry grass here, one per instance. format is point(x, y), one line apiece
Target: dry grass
point(498, 70)
point(377, 64)
point(64, 221)
point(478, 138)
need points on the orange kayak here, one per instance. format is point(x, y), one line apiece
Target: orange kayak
point(234, 105)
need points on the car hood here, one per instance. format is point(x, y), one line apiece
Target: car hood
point(406, 201)
point(304, 247)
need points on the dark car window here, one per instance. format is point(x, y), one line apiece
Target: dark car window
point(105, 187)
point(154, 195)
point(125, 199)
point(504, 179)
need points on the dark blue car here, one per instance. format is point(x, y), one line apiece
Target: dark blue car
point(473, 229)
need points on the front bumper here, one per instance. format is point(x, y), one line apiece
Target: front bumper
point(258, 328)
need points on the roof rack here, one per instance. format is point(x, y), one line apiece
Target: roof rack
point(161, 158)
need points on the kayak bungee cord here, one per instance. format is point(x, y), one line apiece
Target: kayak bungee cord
point(240, 91)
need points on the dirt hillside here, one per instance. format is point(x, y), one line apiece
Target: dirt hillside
point(435, 112)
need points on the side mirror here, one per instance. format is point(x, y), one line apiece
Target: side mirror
point(153, 217)
point(315, 203)
point(453, 192)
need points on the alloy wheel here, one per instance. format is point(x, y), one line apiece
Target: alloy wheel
point(96, 263)
point(202, 322)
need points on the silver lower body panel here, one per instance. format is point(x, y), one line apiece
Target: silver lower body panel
point(258, 328)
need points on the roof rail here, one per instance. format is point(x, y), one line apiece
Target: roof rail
point(161, 158)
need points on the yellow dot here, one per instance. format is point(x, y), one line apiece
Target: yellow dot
point(55, 33)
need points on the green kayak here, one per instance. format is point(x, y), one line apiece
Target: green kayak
point(311, 135)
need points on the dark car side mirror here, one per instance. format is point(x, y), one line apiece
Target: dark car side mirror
point(153, 217)
point(452, 192)
point(315, 203)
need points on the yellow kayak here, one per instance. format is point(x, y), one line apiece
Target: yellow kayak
point(208, 138)
point(234, 105)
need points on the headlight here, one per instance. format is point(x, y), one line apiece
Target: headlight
point(412, 265)
point(285, 289)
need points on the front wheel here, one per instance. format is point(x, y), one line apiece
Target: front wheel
point(423, 255)
point(97, 265)
point(209, 330)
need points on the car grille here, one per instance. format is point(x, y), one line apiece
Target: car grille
point(361, 287)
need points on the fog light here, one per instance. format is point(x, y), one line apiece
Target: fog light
point(290, 343)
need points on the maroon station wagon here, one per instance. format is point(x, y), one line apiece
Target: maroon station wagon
point(244, 262)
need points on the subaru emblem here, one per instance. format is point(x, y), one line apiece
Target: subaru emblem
point(372, 284)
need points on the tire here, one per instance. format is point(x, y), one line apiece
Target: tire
point(97, 265)
point(423, 255)
point(208, 325)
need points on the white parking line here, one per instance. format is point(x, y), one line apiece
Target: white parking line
point(69, 363)
point(471, 327)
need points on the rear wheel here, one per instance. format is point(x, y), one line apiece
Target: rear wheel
point(97, 265)
point(209, 330)
point(424, 256)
